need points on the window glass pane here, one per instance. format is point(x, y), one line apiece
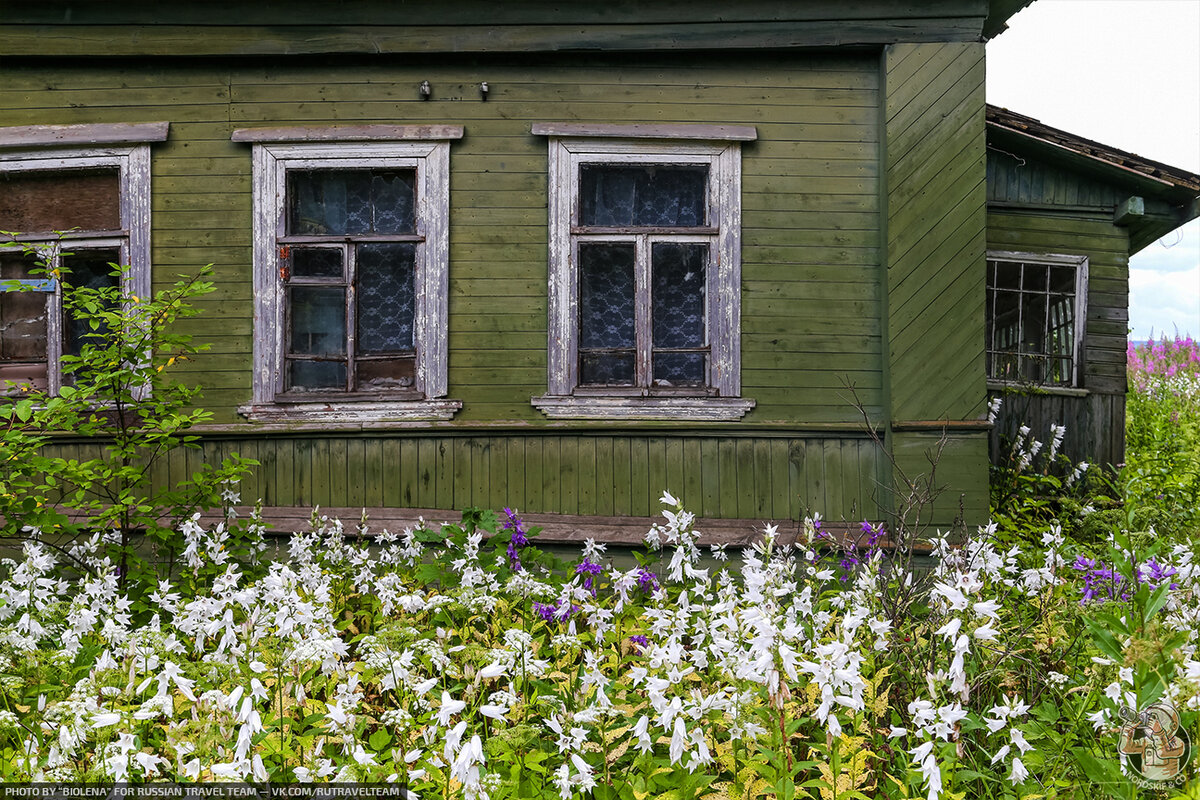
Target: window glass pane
point(317, 262)
point(606, 369)
point(351, 202)
point(386, 299)
point(1035, 277)
point(307, 376)
point(90, 269)
point(1062, 280)
point(1033, 323)
point(651, 195)
point(318, 320)
point(41, 201)
point(680, 369)
point(1008, 275)
point(606, 313)
point(677, 294)
point(397, 372)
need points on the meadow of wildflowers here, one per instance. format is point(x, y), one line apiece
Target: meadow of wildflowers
point(462, 662)
point(1162, 434)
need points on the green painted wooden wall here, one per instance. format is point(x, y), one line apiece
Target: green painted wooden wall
point(599, 473)
point(863, 215)
point(810, 202)
point(933, 122)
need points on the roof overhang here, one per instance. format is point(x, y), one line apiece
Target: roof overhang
point(1178, 189)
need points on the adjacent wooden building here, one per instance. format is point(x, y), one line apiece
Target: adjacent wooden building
point(559, 257)
point(1064, 216)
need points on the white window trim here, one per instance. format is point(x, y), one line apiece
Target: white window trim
point(679, 144)
point(133, 166)
point(431, 160)
point(1080, 262)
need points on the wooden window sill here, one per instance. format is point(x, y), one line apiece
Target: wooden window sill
point(696, 409)
point(343, 411)
point(1030, 388)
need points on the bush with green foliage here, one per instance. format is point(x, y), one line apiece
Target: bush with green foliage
point(117, 391)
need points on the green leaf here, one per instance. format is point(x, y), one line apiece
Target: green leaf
point(1157, 600)
point(1104, 774)
point(379, 740)
point(1105, 641)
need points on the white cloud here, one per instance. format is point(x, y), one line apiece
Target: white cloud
point(1164, 286)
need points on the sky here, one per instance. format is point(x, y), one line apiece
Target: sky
point(1125, 73)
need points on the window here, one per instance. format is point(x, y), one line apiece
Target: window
point(351, 275)
point(1034, 323)
point(644, 272)
point(82, 209)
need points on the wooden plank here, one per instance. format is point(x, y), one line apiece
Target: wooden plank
point(587, 470)
point(462, 473)
point(606, 476)
point(532, 467)
point(764, 479)
point(749, 488)
point(728, 133)
point(324, 469)
point(552, 478)
point(347, 133)
point(642, 499)
point(507, 479)
point(677, 469)
point(710, 478)
point(361, 479)
point(569, 475)
point(272, 40)
point(83, 134)
point(442, 465)
point(622, 468)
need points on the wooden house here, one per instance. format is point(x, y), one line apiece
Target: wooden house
point(1064, 216)
point(554, 256)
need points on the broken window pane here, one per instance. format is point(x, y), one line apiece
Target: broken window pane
point(606, 313)
point(317, 262)
point(386, 301)
point(23, 326)
point(91, 269)
point(646, 196)
point(351, 202)
point(312, 376)
point(60, 200)
point(396, 372)
point(1031, 322)
point(318, 320)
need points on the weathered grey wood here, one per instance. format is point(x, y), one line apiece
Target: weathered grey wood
point(275, 40)
point(348, 133)
point(680, 409)
point(1129, 210)
point(84, 134)
point(358, 415)
point(567, 155)
point(719, 133)
point(431, 161)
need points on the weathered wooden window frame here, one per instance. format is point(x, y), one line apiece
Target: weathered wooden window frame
point(1080, 263)
point(310, 149)
point(59, 148)
point(718, 148)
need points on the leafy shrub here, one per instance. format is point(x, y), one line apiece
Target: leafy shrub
point(117, 391)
